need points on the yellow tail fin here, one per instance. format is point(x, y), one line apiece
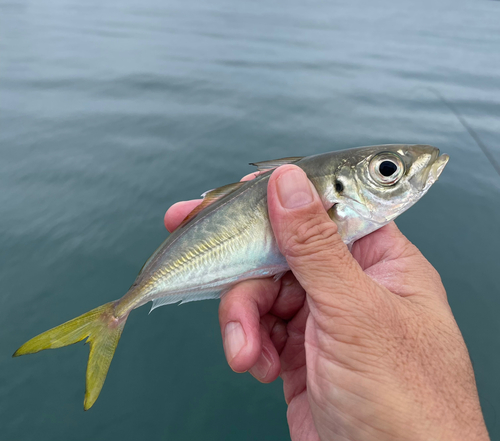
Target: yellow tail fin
point(103, 330)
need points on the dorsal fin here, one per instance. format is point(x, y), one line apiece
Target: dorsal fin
point(209, 197)
point(274, 163)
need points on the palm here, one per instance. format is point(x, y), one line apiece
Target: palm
point(377, 260)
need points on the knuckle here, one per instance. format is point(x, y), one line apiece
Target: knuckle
point(314, 235)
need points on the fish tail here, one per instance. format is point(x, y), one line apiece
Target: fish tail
point(102, 330)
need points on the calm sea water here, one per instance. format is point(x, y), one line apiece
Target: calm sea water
point(113, 110)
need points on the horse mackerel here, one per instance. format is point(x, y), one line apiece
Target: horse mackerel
point(228, 239)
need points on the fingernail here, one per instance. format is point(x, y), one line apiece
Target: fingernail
point(234, 340)
point(260, 369)
point(294, 189)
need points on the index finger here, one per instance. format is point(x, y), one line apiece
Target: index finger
point(178, 212)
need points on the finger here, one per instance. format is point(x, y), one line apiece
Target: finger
point(240, 311)
point(290, 298)
point(178, 212)
point(309, 240)
point(293, 356)
point(273, 338)
point(389, 258)
point(276, 328)
point(386, 243)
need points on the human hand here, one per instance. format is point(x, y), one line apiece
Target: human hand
point(366, 344)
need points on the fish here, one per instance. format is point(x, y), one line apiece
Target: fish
point(228, 238)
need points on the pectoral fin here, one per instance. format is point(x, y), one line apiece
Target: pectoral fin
point(274, 163)
point(211, 196)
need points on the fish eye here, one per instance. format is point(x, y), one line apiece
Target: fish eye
point(386, 168)
point(339, 187)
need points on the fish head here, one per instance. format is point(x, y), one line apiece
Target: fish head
point(371, 186)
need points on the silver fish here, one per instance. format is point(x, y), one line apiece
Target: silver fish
point(228, 239)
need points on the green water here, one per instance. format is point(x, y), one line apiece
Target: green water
point(113, 110)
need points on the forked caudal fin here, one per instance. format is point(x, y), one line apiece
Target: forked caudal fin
point(103, 330)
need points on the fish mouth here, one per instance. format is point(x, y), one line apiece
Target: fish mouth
point(435, 170)
point(426, 174)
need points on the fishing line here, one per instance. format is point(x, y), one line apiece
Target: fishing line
point(469, 129)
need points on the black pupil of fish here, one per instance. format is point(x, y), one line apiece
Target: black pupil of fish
point(339, 187)
point(387, 168)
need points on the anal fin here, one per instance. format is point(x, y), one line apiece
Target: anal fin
point(184, 298)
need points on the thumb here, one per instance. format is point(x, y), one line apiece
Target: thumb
point(309, 240)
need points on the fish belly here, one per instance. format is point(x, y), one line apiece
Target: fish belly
point(213, 266)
